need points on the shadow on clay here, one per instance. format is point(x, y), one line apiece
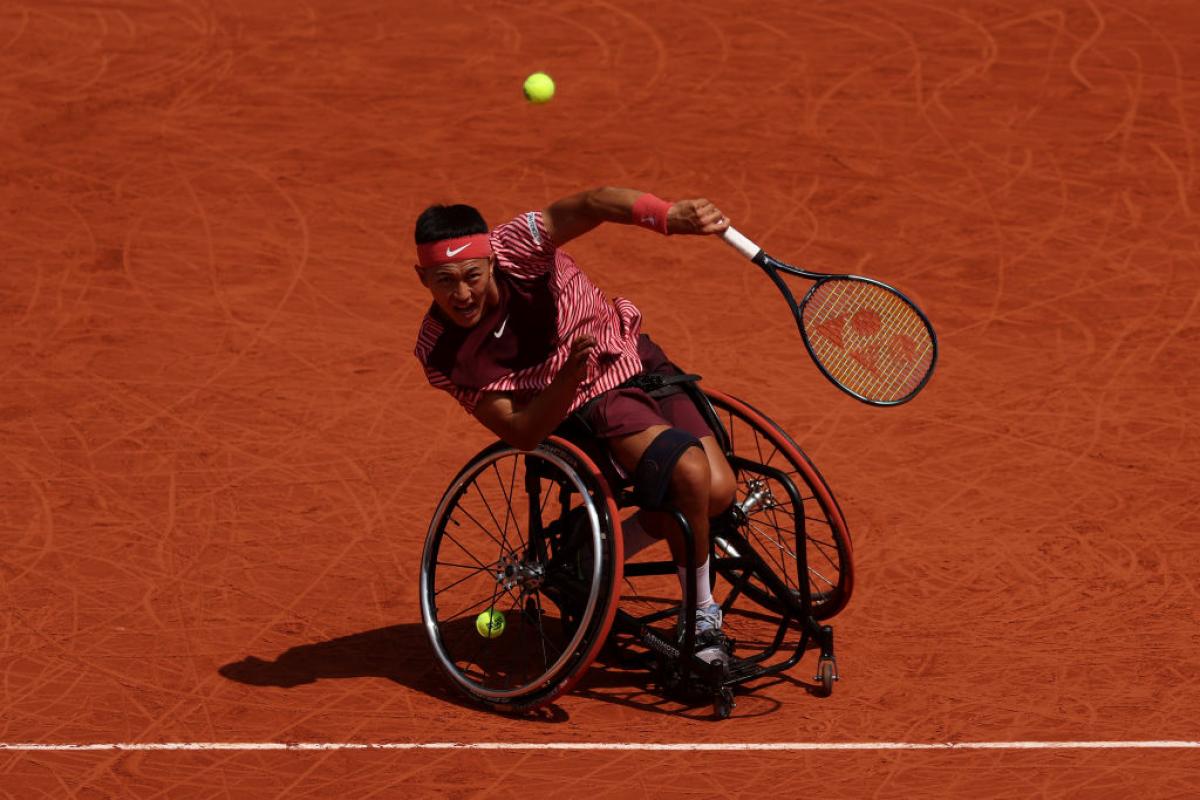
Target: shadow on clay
point(398, 653)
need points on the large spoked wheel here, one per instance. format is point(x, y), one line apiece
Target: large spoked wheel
point(520, 574)
point(771, 527)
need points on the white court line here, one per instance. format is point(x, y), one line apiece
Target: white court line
point(647, 746)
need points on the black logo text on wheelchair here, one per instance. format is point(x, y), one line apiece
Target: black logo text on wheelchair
point(523, 581)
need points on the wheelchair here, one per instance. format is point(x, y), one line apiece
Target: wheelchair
point(534, 538)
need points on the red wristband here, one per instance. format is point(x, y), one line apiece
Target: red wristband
point(651, 212)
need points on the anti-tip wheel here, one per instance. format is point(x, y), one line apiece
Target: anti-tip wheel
point(723, 704)
point(825, 677)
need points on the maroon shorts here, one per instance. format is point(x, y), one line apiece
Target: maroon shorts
point(626, 410)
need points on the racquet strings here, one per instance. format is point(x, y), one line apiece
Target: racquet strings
point(869, 339)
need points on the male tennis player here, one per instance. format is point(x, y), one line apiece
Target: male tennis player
point(520, 336)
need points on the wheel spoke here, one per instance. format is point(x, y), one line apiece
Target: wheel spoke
point(508, 502)
point(491, 513)
point(478, 604)
point(460, 580)
point(468, 553)
point(481, 527)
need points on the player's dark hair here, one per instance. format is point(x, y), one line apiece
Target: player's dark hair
point(448, 222)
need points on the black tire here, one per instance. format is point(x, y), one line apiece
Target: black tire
point(534, 535)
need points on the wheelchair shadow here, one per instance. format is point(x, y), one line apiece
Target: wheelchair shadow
point(616, 678)
point(399, 653)
point(402, 654)
point(611, 681)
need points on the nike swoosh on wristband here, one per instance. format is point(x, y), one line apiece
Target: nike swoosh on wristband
point(452, 253)
point(499, 331)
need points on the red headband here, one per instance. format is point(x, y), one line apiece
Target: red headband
point(435, 254)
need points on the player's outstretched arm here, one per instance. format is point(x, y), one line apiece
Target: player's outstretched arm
point(573, 216)
point(525, 427)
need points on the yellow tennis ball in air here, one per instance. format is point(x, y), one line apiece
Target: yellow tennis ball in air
point(490, 623)
point(539, 88)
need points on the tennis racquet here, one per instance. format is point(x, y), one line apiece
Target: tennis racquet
point(870, 340)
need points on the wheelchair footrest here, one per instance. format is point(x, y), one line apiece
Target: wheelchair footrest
point(657, 643)
point(741, 671)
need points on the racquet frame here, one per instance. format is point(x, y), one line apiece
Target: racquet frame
point(773, 267)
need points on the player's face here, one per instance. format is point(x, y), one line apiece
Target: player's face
point(464, 290)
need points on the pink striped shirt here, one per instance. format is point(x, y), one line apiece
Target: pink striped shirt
point(519, 346)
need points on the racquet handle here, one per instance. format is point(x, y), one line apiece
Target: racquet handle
point(738, 242)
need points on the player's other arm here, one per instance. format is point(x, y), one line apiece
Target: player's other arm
point(525, 426)
point(573, 216)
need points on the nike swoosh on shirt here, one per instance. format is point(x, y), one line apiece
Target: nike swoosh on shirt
point(452, 253)
point(497, 333)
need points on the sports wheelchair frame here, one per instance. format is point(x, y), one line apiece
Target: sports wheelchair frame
point(535, 536)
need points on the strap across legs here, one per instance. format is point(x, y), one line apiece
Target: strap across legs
point(652, 477)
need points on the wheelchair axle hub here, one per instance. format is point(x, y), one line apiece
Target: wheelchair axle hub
point(760, 497)
point(514, 571)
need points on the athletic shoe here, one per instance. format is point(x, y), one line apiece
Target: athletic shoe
point(711, 644)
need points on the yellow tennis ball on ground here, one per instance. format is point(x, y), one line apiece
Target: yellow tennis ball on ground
point(539, 88)
point(490, 623)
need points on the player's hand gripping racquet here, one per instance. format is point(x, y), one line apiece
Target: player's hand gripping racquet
point(869, 339)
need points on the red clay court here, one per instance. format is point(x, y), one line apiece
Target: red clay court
point(217, 449)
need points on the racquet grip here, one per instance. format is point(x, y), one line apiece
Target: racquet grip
point(740, 243)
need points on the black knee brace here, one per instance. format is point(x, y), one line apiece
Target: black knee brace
point(652, 478)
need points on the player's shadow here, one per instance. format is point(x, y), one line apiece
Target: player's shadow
point(399, 653)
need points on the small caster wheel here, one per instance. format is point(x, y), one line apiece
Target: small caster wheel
point(825, 677)
point(723, 704)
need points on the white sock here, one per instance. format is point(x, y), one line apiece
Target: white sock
point(703, 586)
point(635, 537)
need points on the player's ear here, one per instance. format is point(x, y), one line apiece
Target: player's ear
point(421, 275)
